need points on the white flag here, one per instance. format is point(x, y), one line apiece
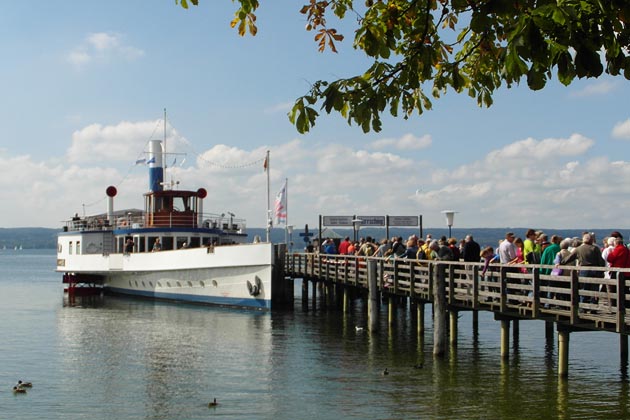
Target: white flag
point(280, 211)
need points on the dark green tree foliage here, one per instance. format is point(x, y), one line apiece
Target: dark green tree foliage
point(423, 48)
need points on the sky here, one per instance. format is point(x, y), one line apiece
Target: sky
point(84, 86)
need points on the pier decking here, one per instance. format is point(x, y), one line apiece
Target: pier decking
point(511, 292)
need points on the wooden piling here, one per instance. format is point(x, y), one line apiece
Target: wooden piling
point(548, 330)
point(623, 348)
point(373, 300)
point(305, 292)
point(420, 309)
point(505, 338)
point(563, 353)
point(439, 306)
point(346, 300)
point(391, 306)
point(314, 297)
point(453, 327)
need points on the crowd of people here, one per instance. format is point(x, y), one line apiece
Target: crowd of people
point(536, 248)
point(447, 249)
point(553, 252)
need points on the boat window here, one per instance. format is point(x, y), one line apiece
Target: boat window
point(179, 284)
point(168, 284)
point(189, 283)
point(167, 243)
point(202, 284)
point(59, 248)
point(70, 248)
point(194, 242)
point(78, 247)
point(182, 242)
point(181, 203)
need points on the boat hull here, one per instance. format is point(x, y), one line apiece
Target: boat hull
point(235, 275)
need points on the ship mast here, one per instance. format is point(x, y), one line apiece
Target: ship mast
point(164, 148)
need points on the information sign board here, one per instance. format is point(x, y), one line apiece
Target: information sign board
point(371, 220)
point(403, 220)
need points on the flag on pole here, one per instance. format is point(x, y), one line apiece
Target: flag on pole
point(280, 207)
point(265, 165)
point(140, 161)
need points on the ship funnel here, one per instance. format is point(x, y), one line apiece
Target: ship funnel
point(156, 166)
point(111, 193)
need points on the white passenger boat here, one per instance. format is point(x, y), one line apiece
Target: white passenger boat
point(203, 258)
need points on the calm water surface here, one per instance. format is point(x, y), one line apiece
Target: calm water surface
point(119, 358)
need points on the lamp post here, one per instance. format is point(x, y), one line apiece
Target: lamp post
point(450, 215)
point(356, 225)
point(290, 232)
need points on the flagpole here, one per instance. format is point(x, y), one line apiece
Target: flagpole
point(286, 209)
point(268, 199)
point(164, 151)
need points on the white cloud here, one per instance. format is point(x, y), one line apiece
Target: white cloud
point(601, 87)
point(550, 148)
point(547, 183)
point(102, 46)
point(406, 142)
point(122, 142)
point(622, 130)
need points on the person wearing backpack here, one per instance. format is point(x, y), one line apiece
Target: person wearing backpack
point(368, 248)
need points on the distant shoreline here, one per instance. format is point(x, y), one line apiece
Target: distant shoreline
point(46, 238)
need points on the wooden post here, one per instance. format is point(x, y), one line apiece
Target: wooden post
point(346, 300)
point(373, 300)
point(305, 292)
point(314, 297)
point(475, 289)
point(621, 303)
point(548, 330)
point(439, 306)
point(575, 297)
point(515, 329)
point(453, 327)
point(623, 349)
point(390, 309)
point(330, 294)
point(563, 353)
point(536, 292)
point(420, 309)
point(503, 280)
point(505, 338)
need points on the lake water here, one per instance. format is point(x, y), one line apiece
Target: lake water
point(119, 358)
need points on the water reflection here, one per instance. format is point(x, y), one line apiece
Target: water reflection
point(123, 358)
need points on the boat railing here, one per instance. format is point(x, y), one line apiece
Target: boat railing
point(139, 221)
point(228, 224)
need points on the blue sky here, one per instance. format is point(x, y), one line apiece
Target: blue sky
point(84, 85)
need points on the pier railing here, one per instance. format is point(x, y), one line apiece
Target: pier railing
point(597, 301)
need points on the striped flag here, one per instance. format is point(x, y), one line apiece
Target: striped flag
point(280, 207)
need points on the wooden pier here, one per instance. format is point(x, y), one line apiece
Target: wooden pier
point(512, 292)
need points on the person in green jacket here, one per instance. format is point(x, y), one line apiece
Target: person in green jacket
point(549, 254)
